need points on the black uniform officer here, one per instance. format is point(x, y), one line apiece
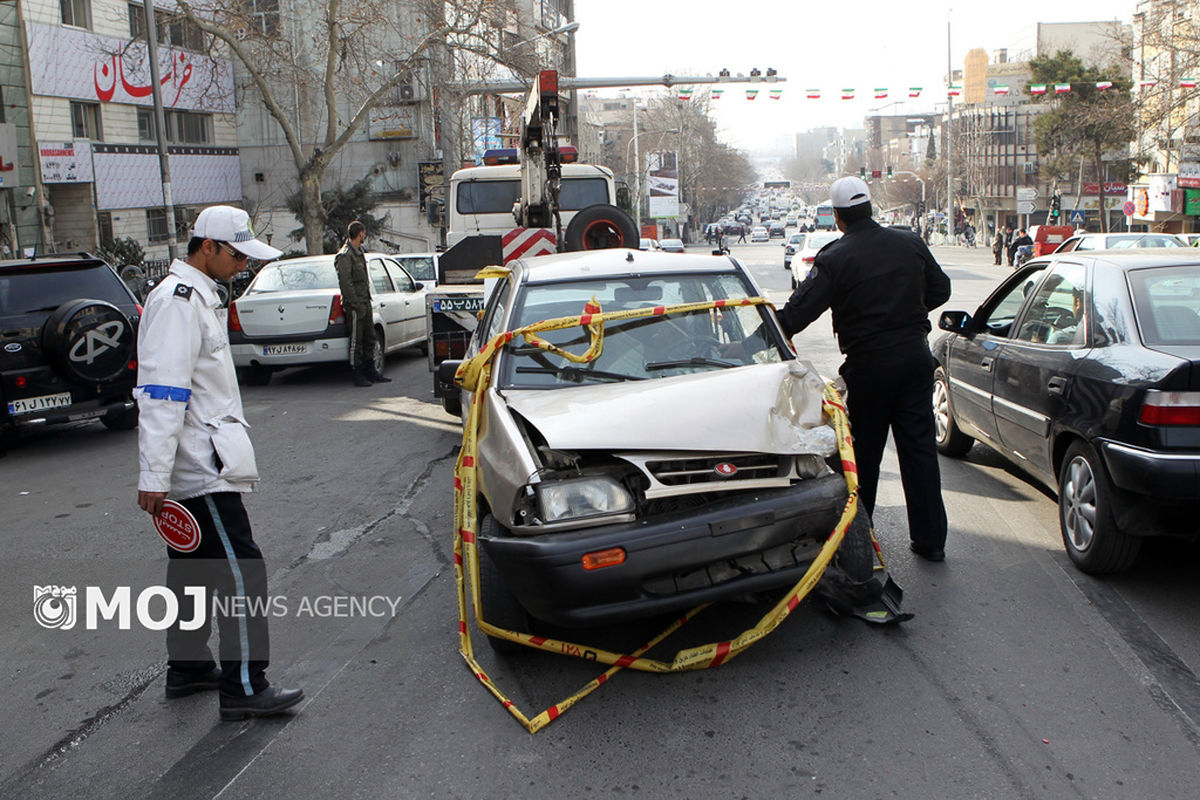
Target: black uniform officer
point(881, 284)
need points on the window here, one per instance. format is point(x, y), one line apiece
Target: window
point(156, 225)
point(76, 12)
point(104, 228)
point(145, 119)
point(1056, 313)
point(186, 127)
point(265, 16)
point(85, 120)
point(497, 197)
point(380, 281)
point(172, 29)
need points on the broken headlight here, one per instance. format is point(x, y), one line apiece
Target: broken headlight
point(580, 498)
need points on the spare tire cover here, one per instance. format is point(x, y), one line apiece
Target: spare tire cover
point(88, 341)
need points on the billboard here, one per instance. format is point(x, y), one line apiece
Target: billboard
point(66, 162)
point(392, 122)
point(485, 132)
point(663, 184)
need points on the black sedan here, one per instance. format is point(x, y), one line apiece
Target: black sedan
point(1085, 372)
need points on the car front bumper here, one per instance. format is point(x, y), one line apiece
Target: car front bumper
point(1156, 474)
point(750, 542)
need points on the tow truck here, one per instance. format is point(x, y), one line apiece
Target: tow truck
point(540, 187)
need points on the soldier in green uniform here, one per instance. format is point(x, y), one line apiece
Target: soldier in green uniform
point(351, 267)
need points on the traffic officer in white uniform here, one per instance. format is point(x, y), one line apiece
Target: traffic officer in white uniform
point(193, 446)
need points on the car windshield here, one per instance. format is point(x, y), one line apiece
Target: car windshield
point(643, 347)
point(1168, 304)
point(291, 276)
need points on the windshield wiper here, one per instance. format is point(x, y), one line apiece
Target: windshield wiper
point(695, 361)
point(578, 374)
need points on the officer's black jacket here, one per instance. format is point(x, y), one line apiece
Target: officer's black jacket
point(881, 284)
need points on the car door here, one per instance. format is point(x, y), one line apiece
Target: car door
point(1036, 367)
point(971, 360)
point(388, 304)
point(412, 302)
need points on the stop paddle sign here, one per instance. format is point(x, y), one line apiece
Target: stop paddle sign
point(178, 528)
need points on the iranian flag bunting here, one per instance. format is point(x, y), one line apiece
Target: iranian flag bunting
point(1062, 88)
point(847, 94)
point(1037, 88)
point(914, 91)
point(1001, 88)
point(1102, 85)
point(776, 94)
point(716, 93)
point(685, 94)
point(1187, 83)
point(954, 90)
point(880, 94)
point(1147, 84)
point(751, 94)
point(812, 94)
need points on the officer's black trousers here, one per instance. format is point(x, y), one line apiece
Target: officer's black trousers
point(230, 566)
point(893, 388)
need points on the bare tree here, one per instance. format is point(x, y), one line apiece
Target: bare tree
point(1165, 59)
point(319, 67)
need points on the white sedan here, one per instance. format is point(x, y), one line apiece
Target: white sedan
point(802, 261)
point(291, 315)
point(759, 234)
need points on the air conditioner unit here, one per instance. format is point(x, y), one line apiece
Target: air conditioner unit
point(1030, 168)
point(411, 88)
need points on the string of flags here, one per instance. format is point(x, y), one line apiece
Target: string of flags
point(954, 90)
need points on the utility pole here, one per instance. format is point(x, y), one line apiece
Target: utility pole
point(949, 140)
point(160, 128)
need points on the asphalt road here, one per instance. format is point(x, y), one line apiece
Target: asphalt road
point(1018, 678)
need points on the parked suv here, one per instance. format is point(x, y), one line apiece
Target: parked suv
point(68, 343)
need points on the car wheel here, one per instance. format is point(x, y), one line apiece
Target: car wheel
point(123, 420)
point(599, 227)
point(856, 554)
point(380, 346)
point(1089, 529)
point(500, 607)
point(950, 440)
point(256, 375)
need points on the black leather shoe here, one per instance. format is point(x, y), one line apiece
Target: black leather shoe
point(361, 379)
point(378, 377)
point(928, 553)
point(271, 700)
point(181, 683)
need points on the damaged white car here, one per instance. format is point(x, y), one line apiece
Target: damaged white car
point(688, 463)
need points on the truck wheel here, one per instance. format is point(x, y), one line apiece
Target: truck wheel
point(500, 607)
point(599, 227)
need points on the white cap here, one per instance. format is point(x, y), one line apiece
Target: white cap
point(232, 225)
point(850, 191)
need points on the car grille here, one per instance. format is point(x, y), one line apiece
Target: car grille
point(672, 474)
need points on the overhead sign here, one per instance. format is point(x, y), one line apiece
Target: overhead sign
point(1026, 194)
point(1025, 207)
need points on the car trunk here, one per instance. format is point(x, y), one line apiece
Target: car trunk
point(284, 313)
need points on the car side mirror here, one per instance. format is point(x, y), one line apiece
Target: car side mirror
point(418, 286)
point(955, 321)
point(446, 370)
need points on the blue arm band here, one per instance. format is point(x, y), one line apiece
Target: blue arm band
point(157, 392)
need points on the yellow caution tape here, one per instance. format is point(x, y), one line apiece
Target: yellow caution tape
point(475, 375)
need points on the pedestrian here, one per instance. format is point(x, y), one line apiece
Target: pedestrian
point(998, 246)
point(1008, 240)
point(355, 287)
point(194, 448)
point(708, 234)
point(741, 234)
point(881, 284)
point(1022, 240)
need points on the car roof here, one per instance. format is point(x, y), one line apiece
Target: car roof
point(53, 260)
point(1136, 258)
point(614, 263)
point(332, 256)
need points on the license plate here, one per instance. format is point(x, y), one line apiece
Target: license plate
point(285, 349)
point(458, 304)
point(29, 405)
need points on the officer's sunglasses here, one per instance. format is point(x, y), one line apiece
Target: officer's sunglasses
point(238, 255)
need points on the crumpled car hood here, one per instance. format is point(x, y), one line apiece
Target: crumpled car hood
point(762, 408)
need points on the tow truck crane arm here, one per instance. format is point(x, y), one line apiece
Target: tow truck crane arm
point(541, 161)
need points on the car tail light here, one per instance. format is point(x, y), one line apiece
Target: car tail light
point(132, 365)
point(604, 558)
point(1170, 408)
point(336, 313)
point(808, 259)
point(21, 381)
point(233, 322)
